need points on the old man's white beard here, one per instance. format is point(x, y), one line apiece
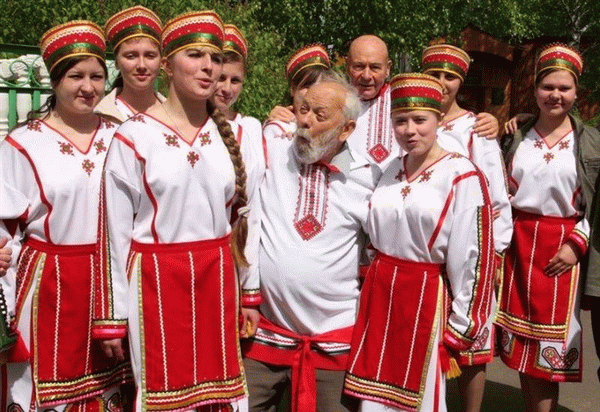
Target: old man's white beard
point(314, 149)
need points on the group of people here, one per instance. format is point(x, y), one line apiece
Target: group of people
point(360, 246)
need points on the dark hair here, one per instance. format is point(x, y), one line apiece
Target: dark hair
point(307, 77)
point(56, 75)
point(233, 57)
point(541, 75)
point(240, 228)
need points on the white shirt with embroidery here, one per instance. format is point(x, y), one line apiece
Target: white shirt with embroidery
point(313, 219)
point(161, 189)
point(438, 217)
point(49, 189)
point(457, 136)
point(373, 138)
point(543, 180)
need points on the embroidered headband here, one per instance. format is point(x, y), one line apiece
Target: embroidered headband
point(133, 22)
point(235, 41)
point(196, 28)
point(416, 91)
point(560, 56)
point(446, 58)
point(311, 55)
point(72, 39)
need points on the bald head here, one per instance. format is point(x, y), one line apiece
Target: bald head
point(368, 65)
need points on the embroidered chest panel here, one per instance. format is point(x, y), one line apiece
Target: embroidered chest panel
point(311, 209)
point(379, 132)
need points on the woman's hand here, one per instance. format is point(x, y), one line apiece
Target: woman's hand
point(512, 125)
point(5, 253)
point(282, 114)
point(564, 260)
point(113, 348)
point(486, 125)
point(249, 323)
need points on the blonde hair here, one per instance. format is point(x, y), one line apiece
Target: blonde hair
point(240, 228)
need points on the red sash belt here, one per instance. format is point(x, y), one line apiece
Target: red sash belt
point(302, 358)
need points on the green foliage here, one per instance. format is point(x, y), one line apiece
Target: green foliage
point(275, 29)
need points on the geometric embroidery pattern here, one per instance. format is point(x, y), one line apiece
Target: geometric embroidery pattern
point(379, 136)
point(66, 148)
point(171, 140)
point(560, 361)
point(193, 157)
point(548, 156)
point(204, 138)
point(564, 144)
point(100, 147)
point(311, 209)
point(539, 143)
point(88, 166)
point(34, 125)
point(405, 191)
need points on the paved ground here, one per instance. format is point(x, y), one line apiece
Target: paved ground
point(503, 392)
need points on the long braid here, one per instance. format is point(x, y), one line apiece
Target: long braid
point(240, 229)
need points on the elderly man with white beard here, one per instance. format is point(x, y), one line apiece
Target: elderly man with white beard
point(314, 201)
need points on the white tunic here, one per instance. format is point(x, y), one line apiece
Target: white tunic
point(543, 179)
point(435, 218)
point(373, 137)
point(457, 136)
point(312, 235)
point(51, 189)
point(160, 189)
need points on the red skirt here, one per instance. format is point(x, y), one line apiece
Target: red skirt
point(531, 303)
point(398, 318)
point(66, 364)
point(188, 303)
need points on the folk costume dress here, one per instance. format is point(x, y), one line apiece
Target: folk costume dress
point(165, 250)
point(373, 137)
point(539, 314)
point(50, 195)
point(457, 136)
point(313, 221)
point(433, 230)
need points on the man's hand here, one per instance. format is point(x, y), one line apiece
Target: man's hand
point(113, 348)
point(564, 260)
point(486, 125)
point(282, 114)
point(249, 323)
point(5, 253)
point(512, 125)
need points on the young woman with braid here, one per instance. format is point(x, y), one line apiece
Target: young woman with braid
point(172, 181)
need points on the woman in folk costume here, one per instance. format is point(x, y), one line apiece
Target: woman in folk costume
point(431, 223)
point(171, 179)
point(231, 83)
point(134, 35)
point(449, 64)
point(50, 173)
point(550, 163)
point(304, 68)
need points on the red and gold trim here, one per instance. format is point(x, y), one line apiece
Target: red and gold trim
point(196, 28)
point(235, 41)
point(72, 39)
point(311, 55)
point(133, 22)
point(446, 58)
point(416, 91)
point(562, 57)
